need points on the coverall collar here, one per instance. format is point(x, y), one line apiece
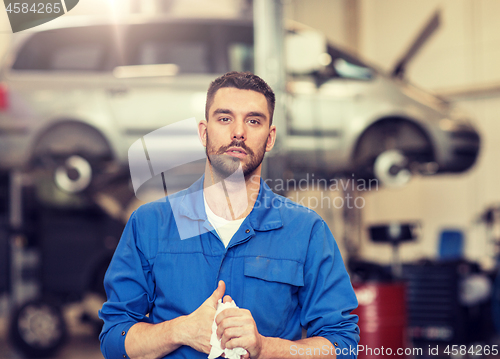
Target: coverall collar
point(264, 216)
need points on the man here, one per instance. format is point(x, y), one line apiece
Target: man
point(276, 259)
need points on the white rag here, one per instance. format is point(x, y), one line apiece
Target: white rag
point(216, 350)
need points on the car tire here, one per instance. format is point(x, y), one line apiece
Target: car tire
point(70, 180)
point(38, 329)
point(75, 155)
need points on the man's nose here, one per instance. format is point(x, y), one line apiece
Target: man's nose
point(239, 131)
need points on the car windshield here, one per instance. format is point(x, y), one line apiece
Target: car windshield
point(191, 48)
point(72, 49)
point(345, 65)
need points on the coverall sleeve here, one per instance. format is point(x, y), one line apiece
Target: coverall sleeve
point(327, 297)
point(129, 286)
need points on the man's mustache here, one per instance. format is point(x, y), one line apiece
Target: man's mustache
point(235, 143)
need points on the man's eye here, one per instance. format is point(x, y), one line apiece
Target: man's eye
point(224, 119)
point(254, 122)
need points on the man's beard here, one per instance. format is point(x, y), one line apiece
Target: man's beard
point(225, 165)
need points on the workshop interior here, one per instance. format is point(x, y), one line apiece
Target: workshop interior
point(387, 127)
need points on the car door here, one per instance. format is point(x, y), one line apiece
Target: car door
point(322, 106)
point(316, 119)
point(164, 74)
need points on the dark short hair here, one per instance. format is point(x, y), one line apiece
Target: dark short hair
point(241, 81)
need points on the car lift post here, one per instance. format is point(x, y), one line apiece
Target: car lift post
point(19, 290)
point(15, 224)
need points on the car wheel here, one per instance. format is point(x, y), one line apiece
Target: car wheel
point(38, 329)
point(390, 151)
point(74, 154)
point(391, 168)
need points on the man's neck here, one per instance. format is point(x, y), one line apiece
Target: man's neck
point(231, 198)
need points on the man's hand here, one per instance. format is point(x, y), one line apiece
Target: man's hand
point(197, 326)
point(237, 329)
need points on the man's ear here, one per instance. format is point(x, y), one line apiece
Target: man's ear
point(271, 138)
point(202, 132)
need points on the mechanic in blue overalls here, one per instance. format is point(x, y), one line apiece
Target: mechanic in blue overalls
point(229, 238)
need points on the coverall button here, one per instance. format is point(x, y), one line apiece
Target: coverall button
point(247, 231)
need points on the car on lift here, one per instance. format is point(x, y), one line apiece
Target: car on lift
point(76, 94)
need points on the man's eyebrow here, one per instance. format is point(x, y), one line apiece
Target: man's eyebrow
point(223, 110)
point(256, 114)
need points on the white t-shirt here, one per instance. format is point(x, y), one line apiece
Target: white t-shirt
point(224, 228)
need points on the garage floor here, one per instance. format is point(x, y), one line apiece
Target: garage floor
point(78, 347)
point(82, 342)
